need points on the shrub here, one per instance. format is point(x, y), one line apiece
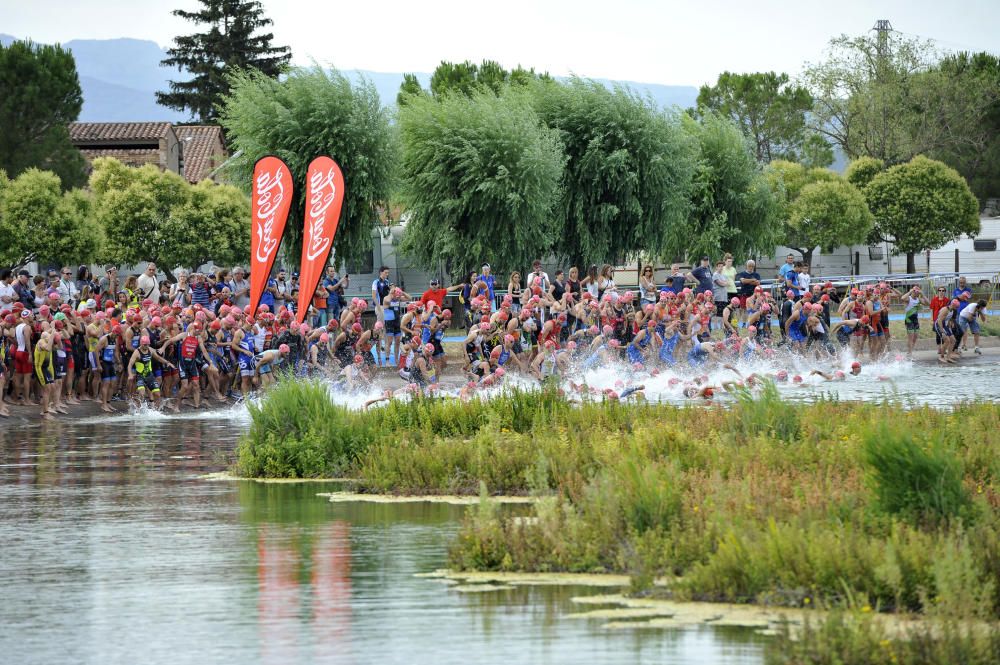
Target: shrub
point(921, 483)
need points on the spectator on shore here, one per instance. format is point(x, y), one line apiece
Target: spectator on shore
point(240, 287)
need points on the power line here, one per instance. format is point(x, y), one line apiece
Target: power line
point(951, 44)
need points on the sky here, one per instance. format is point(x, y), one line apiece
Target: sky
point(678, 42)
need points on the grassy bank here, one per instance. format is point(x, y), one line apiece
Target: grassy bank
point(833, 504)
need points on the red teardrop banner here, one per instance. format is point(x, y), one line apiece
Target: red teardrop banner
point(270, 201)
point(324, 198)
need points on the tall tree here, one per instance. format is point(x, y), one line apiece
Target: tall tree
point(921, 205)
point(957, 107)
point(766, 106)
point(40, 222)
point(628, 173)
point(39, 96)
point(314, 112)
point(229, 43)
point(481, 180)
point(732, 207)
point(861, 94)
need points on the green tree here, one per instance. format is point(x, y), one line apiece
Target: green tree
point(153, 215)
point(467, 78)
point(409, 87)
point(229, 43)
point(40, 222)
point(213, 226)
point(481, 178)
point(816, 151)
point(863, 170)
point(957, 106)
point(766, 106)
point(827, 214)
point(39, 96)
point(732, 206)
point(628, 173)
point(921, 205)
point(825, 217)
point(861, 94)
point(308, 113)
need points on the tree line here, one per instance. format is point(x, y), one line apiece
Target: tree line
point(513, 164)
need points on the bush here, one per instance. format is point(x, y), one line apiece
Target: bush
point(920, 483)
point(296, 431)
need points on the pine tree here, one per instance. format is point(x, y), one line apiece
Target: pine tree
point(229, 43)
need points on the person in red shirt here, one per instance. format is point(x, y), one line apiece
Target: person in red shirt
point(939, 300)
point(438, 294)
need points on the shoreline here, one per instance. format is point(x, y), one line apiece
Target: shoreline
point(29, 415)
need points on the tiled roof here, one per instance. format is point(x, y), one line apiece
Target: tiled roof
point(201, 144)
point(124, 155)
point(124, 132)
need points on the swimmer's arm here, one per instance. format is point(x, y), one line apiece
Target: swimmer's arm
point(730, 386)
point(375, 401)
point(817, 372)
point(733, 369)
point(132, 359)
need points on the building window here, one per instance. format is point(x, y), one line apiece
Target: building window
point(984, 245)
point(363, 267)
point(875, 253)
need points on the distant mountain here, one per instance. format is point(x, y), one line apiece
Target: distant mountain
point(120, 77)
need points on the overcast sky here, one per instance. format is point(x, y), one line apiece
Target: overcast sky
point(668, 41)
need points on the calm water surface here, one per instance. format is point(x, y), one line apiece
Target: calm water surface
point(112, 550)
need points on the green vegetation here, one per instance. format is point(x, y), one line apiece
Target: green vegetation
point(36, 216)
point(228, 44)
point(859, 638)
point(820, 208)
point(313, 111)
point(767, 107)
point(482, 176)
point(830, 504)
point(153, 215)
point(40, 96)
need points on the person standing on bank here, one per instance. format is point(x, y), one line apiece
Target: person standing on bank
point(486, 277)
point(380, 289)
point(147, 283)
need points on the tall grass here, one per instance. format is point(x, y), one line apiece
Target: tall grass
point(914, 476)
point(858, 638)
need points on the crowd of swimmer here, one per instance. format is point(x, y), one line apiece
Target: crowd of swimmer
point(547, 331)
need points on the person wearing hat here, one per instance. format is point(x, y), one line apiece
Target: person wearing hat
point(22, 289)
point(435, 293)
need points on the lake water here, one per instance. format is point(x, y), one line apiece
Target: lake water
point(114, 550)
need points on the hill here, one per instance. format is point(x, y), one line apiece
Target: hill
point(120, 77)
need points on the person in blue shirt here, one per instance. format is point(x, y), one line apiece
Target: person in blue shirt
point(270, 290)
point(334, 285)
point(703, 275)
point(486, 276)
point(963, 288)
point(786, 267)
point(675, 280)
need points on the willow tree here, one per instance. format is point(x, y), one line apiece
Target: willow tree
point(732, 206)
point(628, 172)
point(315, 112)
point(481, 177)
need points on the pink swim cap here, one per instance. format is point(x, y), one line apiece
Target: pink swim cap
point(283, 349)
